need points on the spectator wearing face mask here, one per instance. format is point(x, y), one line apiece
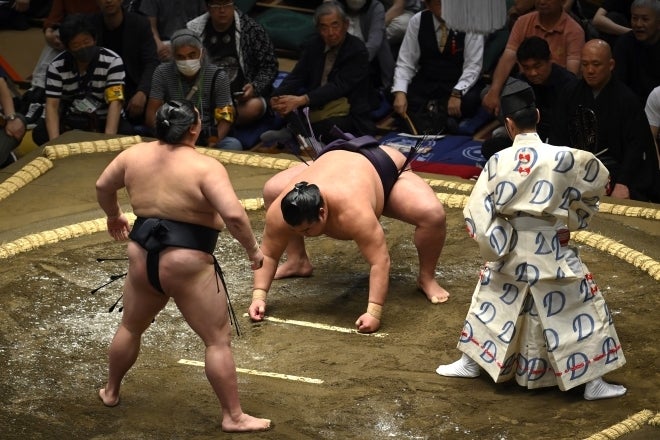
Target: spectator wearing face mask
point(84, 86)
point(191, 76)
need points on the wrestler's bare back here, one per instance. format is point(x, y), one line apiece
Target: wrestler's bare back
point(174, 182)
point(347, 198)
point(353, 201)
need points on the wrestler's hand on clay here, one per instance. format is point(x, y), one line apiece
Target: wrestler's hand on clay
point(118, 227)
point(367, 323)
point(257, 310)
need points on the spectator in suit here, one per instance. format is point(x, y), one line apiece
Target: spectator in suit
point(437, 64)
point(331, 78)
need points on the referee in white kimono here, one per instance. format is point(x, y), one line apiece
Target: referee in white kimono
point(536, 313)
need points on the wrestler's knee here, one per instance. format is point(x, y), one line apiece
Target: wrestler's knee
point(272, 188)
point(433, 216)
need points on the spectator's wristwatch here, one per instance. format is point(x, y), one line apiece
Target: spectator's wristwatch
point(11, 116)
point(455, 93)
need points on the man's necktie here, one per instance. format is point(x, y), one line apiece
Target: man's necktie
point(442, 37)
point(330, 57)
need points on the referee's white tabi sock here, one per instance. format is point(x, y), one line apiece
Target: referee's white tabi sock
point(599, 389)
point(464, 367)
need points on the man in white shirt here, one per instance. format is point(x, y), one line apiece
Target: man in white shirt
point(438, 65)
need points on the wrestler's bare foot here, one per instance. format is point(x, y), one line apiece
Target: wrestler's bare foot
point(107, 399)
point(245, 423)
point(433, 291)
point(294, 268)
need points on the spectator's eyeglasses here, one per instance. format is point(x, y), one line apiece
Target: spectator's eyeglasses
point(220, 7)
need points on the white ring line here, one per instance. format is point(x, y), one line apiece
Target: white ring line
point(260, 373)
point(320, 326)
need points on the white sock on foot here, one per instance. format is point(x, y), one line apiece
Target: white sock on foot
point(464, 367)
point(599, 389)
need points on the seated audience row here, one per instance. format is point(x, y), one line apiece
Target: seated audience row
point(225, 62)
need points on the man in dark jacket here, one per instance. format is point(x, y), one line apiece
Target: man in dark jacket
point(241, 47)
point(602, 115)
point(129, 35)
point(331, 78)
point(547, 80)
point(637, 53)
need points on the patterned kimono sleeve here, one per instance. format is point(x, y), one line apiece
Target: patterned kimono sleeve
point(583, 198)
point(492, 232)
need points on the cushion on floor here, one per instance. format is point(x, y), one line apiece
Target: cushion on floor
point(287, 29)
point(449, 155)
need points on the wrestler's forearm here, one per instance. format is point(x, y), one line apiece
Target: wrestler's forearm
point(263, 278)
point(378, 284)
point(240, 229)
point(109, 203)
